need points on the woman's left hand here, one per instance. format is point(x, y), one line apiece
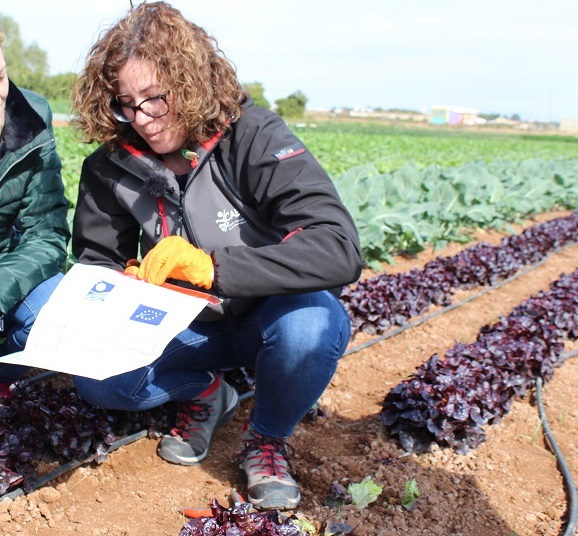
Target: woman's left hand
point(173, 257)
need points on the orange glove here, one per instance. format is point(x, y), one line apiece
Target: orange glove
point(173, 257)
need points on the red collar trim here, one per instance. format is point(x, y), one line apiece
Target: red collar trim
point(132, 150)
point(207, 146)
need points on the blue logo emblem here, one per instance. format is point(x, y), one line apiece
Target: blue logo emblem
point(99, 291)
point(148, 315)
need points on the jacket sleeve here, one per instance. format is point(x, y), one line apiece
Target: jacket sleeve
point(291, 190)
point(41, 249)
point(103, 232)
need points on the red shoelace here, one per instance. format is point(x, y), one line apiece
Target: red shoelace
point(270, 454)
point(191, 413)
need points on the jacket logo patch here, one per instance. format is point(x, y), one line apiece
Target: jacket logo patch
point(229, 219)
point(288, 152)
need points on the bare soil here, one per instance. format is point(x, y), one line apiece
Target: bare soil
point(509, 485)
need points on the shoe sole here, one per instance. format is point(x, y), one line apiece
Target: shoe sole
point(194, 460)
point(269, 503)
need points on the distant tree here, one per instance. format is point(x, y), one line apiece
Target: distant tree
point(57, 87)
point(292, 106)
point(256, 90)
point(27, 65)
point(515, 117)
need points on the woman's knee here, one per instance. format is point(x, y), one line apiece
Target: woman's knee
point(102, 394)
point(316, 323)
point(89, 390)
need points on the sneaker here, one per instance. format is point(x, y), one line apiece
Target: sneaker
point(197, 421)
point(265, 461)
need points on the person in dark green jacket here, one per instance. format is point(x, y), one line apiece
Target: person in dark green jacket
point(33, 227)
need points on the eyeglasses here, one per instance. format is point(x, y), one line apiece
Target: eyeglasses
point(153, 107)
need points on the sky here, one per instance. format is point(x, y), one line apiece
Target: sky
point(497, 56)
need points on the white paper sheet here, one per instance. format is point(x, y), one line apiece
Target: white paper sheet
point(99, 323)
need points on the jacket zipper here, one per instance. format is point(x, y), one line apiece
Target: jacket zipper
point(181, 220)
point(161, 224)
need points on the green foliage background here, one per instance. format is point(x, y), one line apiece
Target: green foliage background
point(292, 106)
point(28, 67)
point(257, 92)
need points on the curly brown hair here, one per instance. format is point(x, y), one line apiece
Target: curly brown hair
point(201, 81)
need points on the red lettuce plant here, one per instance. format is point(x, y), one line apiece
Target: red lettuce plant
point(38, 419)
point(240, 520)
point(448, 401)
point(379, 303)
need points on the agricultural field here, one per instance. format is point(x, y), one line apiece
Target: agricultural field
point(506, 238)
point(342, 146)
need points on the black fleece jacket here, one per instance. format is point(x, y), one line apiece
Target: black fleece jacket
point(256, 200)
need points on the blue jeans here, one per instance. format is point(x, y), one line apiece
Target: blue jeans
point(18, 323)
point(292, 344)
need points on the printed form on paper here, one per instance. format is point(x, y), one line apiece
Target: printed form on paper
point(99, 323)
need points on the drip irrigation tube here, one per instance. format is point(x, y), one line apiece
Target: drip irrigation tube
point(570, 486)
point(444, 310)
point(73, 464)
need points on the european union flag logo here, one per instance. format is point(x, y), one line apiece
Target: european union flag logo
point(99, 291)
point(148, 315)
